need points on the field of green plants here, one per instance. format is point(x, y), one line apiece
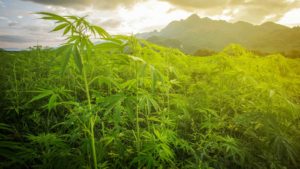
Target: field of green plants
point(127, 103)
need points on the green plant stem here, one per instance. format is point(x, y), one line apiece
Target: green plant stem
point(92, 135)
point(137, 114)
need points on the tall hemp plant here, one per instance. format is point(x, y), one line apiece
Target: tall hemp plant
point(78, 45)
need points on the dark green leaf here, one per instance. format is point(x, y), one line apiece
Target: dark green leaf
point(59, 27)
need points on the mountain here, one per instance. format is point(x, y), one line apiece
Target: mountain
point(196, 33)
point(12, 49)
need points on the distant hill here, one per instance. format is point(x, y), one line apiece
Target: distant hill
point(12, 49)
point(195, 33)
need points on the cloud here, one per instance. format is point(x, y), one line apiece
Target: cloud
point(111, 23)
point(98, 4)
point(12, 23)
point(9, 21)
point(197, 4)
point(291, 18)
point(2, 4)
point(14, 38)
point(4, 18)
point(36, 28)
point(172, 10)
point(254, 11)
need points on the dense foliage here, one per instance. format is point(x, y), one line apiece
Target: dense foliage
point(127, 103)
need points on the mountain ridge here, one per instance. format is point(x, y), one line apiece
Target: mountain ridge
point(195, 33)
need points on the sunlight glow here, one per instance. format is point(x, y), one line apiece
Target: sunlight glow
point(142, 17)
point(149, 15)
point(291, 18)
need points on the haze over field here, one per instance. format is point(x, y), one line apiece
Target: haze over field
point(19, 28)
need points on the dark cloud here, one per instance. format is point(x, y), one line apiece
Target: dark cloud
point(14, 39)
point(205, 4)
point(99, 4)
point(253, 11)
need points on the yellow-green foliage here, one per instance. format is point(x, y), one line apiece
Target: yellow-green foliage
point(152, 107)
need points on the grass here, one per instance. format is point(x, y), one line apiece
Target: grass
point(127, 103)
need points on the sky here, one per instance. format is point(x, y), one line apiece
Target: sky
point(21, 28)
